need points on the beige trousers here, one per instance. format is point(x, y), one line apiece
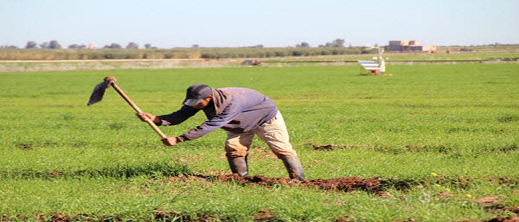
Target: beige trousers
point(274, 133)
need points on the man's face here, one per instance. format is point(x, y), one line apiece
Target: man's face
point(202, 104)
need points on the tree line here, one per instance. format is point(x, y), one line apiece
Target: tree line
point(53, 50)
point(180, 53)
point(54, 44)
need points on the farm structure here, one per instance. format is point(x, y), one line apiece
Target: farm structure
point(409, 45)
point(372, 66)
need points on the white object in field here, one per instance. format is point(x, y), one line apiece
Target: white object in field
point(381, 61)
point(369, 65)
point(382, 64)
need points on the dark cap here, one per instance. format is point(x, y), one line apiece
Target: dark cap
point(196, 93)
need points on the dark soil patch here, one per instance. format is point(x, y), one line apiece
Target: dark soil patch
point(346, 184)
point(165, 216)
point(25, 146)
point(408, 148)
point(325, 147)
point(160, 215)
point(435, 149)
point(508, 118)
point(265, 215)
point(157, 215)
point(32, 145)
point(376, 185)
point(506, 149)
point(465, 182)
point(344, 219)
point(60, 217)
point(512, 218)
point(487, 201)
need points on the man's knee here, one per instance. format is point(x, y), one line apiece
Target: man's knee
point(282, 148)
point(284, 153)
point(233, 150)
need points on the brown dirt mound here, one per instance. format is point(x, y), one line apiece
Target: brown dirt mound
point(376, 185)
point(513, 218)
point(325, 147)
point(265, 215)
point(174, 216)
point(346, 184)
point(160, 215)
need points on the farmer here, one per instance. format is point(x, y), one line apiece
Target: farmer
point(243, 113)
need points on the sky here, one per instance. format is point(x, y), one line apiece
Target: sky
point(272, 23)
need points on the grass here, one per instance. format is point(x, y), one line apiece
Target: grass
point(423, 123)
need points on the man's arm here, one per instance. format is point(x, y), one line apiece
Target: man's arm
point(228, 114)
point(171, 119)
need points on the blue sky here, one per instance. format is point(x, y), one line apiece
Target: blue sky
point(273, 23)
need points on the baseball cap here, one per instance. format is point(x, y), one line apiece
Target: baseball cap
point(196, 93)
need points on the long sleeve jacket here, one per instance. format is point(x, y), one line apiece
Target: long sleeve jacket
point(232, 109)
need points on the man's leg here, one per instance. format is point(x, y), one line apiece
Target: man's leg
point(275, 134)
point(236, 147)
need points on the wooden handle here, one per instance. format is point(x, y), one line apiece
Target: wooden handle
point(136, 108)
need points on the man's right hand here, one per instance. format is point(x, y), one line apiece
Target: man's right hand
point(143, 116)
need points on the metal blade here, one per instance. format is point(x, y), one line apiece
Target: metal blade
point(99, 91)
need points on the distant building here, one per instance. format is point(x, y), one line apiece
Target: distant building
point(409, 45)
point(91, 46)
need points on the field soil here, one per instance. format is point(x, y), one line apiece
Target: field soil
point(263, 215)
point(346, 184)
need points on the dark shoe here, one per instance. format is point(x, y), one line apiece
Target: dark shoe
point(294, 167)
point(238, 165)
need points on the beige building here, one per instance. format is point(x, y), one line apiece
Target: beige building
point(409, 45)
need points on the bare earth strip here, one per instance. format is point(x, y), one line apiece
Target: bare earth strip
point(105, 64)
point(65, 65)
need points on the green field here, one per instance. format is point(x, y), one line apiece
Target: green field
point(427, 125)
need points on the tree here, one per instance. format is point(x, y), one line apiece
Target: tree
point(338, 43)
point(147, 46)
point(8, 47)
point(44, 45)
point(73, 46)
point(31, 45)
point(114, 46)
point(132, 45)
point(334, 43)
point(54, 45)
point(257, 46)
point(303, 45)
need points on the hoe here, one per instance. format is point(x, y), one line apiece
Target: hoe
point(99, 91)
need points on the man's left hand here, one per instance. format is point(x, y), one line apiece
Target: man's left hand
point(170, 141)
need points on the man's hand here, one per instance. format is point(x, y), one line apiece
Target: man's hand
point(170, 141)
point(153, 118)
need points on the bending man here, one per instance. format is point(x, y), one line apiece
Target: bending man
point(243, 113)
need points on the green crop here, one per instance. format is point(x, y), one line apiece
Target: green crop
point(438, 128)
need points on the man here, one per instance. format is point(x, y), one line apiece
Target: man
point(243, 113)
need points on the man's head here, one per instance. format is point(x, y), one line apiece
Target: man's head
point(198, 96)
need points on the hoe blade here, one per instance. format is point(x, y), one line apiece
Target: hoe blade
point(99, 91)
